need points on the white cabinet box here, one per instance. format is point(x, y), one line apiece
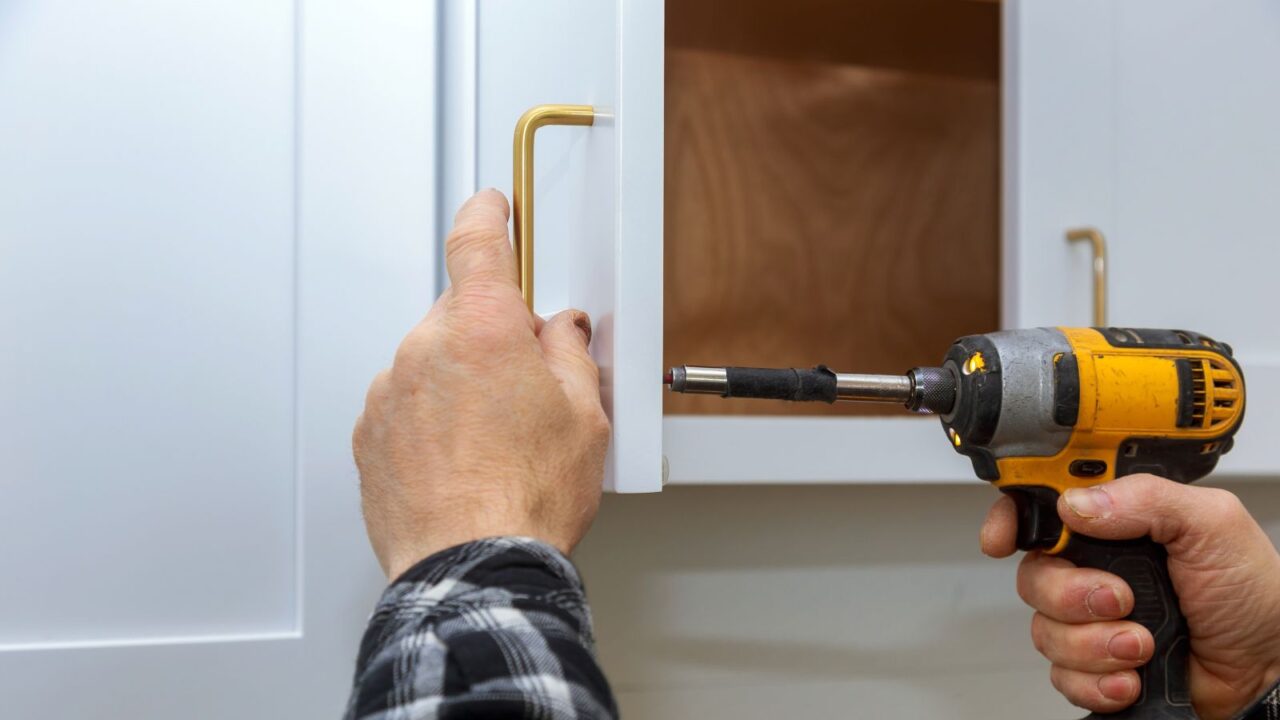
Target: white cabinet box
point(858, 183)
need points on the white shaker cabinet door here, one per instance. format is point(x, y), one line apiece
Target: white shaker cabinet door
point(1197, 181)
point(598, 188)
point(216, 222)
point(1057, 84)
point(1155, 122)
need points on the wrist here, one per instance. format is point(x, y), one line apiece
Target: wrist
point(476, 557)
point(411, 554)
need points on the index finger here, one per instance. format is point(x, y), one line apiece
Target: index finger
point(999, 536)
point(478, 248)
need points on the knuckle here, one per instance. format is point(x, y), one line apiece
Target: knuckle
point(475, 230)
point(598, 423)
point(1145, 479)
point(489, 204)
point(1145, 488)
point(1040, 634)
point(377, 390)
point(1083, 644)
point(482, 335)
point(1058, 678)
point(1224, 505)
point(357, 437)
point(587, 375)
point(1028, 574)
point(486, 304)
point(1024, 586)
point(1076, 688)
point(590, 368)
point(414, 350)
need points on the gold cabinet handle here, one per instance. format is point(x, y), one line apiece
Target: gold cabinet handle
point(1099, 243)
point(522, 188)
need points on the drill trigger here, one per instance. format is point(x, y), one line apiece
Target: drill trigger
point(1039, 527)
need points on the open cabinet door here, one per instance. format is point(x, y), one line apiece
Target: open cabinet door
point(217, 222)
point(598, 187)
point(1154, 122)
point(1058, 142)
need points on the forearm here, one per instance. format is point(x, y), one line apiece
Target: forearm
point(497, 628)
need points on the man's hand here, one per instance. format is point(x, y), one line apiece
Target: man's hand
point(489, 421)
point(1224, 568)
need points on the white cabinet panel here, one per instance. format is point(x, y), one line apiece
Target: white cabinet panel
point(1197, 177)
point(599, 188)
point(736, 450)
point(217, 222)
point(147, 287)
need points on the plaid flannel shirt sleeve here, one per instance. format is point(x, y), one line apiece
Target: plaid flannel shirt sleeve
point(496, 628)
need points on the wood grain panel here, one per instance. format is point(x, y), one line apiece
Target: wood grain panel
point(939, 37)
point(820, 213)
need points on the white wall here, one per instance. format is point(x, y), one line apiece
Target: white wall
point(821, 601)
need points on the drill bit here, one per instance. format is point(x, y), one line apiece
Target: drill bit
point(922, 389)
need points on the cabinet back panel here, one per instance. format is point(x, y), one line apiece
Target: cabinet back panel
point(824, 213)
point(942, 37)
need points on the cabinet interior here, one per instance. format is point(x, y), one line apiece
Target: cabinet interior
point(831, 186)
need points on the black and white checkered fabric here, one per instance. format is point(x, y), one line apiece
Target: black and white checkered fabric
point(497, 628)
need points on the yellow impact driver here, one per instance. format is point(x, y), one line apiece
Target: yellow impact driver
point(1042, 410)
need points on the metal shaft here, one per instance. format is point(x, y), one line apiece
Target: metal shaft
point(700, 380)
point(848, 386)
point(873, 388)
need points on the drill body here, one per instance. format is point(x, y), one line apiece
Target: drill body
point(1043, 410)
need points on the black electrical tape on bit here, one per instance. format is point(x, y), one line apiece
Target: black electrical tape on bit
point(818, 384)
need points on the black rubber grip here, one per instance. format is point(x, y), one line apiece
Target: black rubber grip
point(818, 384)
point(1144, 565)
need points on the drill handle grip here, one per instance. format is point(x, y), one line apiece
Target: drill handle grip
point(1143, 564)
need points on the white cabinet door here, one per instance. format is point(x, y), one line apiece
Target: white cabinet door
point(1197, 178)
point(1155, 121)
point(599, 188)
point(1058, 141)
point(216, 221)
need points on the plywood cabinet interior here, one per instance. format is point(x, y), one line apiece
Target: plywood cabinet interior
point(832, 185)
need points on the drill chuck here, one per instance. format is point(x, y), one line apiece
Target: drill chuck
point(933, 390)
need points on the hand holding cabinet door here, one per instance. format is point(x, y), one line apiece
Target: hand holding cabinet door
point(489, 421)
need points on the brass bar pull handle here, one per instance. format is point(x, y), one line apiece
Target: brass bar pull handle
point(522, 188)
point(1099, 244)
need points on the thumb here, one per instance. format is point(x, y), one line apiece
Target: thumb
point(1139, 505)
point(564, 341)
